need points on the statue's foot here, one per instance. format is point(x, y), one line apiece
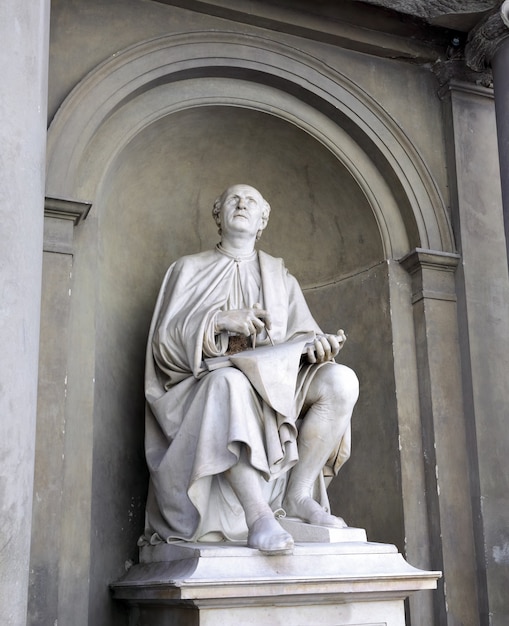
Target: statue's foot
point(267, 536)
point(309, 511)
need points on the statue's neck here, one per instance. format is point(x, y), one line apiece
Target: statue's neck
point(237, 256)
point(238, 247)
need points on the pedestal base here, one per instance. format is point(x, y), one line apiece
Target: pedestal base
point(350, 583)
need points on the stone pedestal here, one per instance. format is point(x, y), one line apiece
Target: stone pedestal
point(350, 582)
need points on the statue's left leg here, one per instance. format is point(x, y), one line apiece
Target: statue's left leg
point(331, 397)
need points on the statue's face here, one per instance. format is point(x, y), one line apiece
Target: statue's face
point(242, 211)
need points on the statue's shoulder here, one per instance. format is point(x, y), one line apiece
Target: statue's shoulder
point(195, 261)
point(272, 263)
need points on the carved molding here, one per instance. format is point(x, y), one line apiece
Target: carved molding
point(61, 208)
point(85, 138)
point(434, 259)
point(464, 86)
point(486, 38)
point(432, 273)
point(60, 218)
point(377, 31)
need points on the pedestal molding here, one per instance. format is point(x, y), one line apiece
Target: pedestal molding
point(222, 577)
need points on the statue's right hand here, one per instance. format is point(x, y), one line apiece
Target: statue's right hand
point(245, 322)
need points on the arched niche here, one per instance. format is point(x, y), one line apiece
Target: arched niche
point(150, 138)
point(307, 83)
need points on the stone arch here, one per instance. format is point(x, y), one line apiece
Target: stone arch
point(93, 146)
point(113, 103)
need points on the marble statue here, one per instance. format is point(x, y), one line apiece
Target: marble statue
point(248, 415)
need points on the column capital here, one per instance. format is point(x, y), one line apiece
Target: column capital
point(420, 258)
point(63, 208)
point(432, 273)
point(486, 38)
point(61, 215)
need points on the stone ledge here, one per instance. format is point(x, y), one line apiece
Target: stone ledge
point(222, 573)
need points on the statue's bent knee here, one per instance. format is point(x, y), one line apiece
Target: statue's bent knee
point(336, 383)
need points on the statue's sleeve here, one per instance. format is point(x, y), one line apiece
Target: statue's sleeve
point(214, 344)
point(184, 320)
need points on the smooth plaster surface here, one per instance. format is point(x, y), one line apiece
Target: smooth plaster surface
point(24, 36)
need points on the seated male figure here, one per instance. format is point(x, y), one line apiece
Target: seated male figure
point(223, 457)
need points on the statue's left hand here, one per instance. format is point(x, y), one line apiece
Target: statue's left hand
point(326, 347)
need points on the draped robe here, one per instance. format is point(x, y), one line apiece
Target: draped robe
point(198, 420)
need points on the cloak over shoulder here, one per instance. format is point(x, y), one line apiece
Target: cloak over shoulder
point(197, 420)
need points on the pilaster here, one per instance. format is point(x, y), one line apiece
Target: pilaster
point(443, 433)
point(61, 216)
point(482, 286)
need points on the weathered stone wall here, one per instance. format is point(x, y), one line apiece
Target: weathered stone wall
point(340, 235)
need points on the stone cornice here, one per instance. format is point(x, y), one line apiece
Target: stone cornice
point(432, 273)
point(346, 24)
point(467, 87)
point(485, 39)
point(433, 32)
point(419, 258)
point(60, 218)
point(61, 208)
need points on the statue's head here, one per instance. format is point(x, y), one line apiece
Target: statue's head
point(242, 194)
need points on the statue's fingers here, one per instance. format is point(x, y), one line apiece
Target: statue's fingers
point(319, 350)
point(334, 344)
point(311, 354)
point(341, 335)
point(258, 324)
point(326, 348)
point(247, 327)
point(262, 314)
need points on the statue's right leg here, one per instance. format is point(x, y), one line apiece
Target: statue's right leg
point(265, 533)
